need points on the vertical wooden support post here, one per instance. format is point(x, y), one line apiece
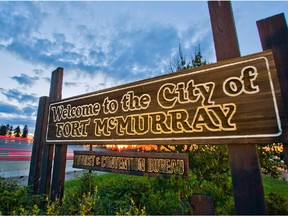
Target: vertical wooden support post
point(54, 95)
point(273, 34)
point(45, 179)
point(243, 159)
point(58, 178)
point(90, 149)
point(38, 144)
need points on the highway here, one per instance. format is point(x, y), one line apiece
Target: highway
point(15, 158)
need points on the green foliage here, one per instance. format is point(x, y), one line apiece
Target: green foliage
point(16, 200)
point(138, 195)
point(210, 166)
point(210, 163)
point(116, 193)
point(87, 182)
point(180, 62)
point(80, 200)
point(277, 204)
point(133, 210)
point(73, 205)
point(170, 196)
point(270, 156)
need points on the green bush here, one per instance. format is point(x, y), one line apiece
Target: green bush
point(157, 195)
point(116, 194)
point(16, 199)
point(277, 204)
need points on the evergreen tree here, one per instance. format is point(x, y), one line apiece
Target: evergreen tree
point(25, 132)
point(197, 60)
point(17, 131)
point(10, 131)
point(3, 130)
point(7, 129)
point(180, 63)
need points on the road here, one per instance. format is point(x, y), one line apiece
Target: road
point(15, 158)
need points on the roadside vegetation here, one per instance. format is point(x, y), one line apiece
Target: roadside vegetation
point(112, 194)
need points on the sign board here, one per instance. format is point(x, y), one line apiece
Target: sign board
point(135, 163)
point(234, 101)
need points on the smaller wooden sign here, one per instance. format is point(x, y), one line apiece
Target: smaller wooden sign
point(134, 163)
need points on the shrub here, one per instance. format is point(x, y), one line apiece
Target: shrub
point(16, 199)
point(277, 204)
point(133, 194)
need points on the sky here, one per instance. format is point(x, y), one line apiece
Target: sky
point(103, 44)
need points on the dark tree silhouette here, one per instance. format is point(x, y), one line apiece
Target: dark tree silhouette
point(25, 131)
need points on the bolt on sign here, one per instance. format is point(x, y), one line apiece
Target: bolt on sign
point(135, 163)
point(234, 101)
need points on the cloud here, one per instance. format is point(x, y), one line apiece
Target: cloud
point(47, 79)
point(14, 115)
point(118, 47)
point(29, 110)
point(25, 80)
point(71, 84)
point(8, 108)
point(15, 94)
point(38, 71)
point(13, 109)
point(19, 19)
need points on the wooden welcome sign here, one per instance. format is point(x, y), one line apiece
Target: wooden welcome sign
point(226, 102)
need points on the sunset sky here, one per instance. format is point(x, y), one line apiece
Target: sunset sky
point(104, 44)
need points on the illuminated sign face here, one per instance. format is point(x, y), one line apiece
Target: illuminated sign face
point(136, 163)
point(220, 103)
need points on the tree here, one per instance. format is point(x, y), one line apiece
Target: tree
point(180, 62)
point(3, 130)
point(10, 131)
point(25, 131)
point(17, 131)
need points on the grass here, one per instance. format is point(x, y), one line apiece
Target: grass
point(74, 184)
point(274, 185)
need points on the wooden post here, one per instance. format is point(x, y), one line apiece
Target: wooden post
point(243, 159)
point(58, 178)
point(54, 95)
point(90, 149)
point(38, 144)
point(202, 204)
point(273, 33)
